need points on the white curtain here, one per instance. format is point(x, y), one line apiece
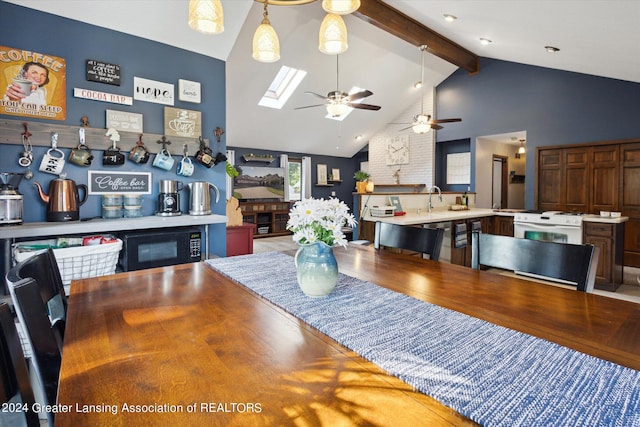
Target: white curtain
point(231, 158)
point(284, 163)
point(306, 178)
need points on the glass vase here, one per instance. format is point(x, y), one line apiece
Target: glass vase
point(317, 269)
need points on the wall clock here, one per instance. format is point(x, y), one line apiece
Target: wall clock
point(398, 151)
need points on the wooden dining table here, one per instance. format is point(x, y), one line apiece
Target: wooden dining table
point(185, 345)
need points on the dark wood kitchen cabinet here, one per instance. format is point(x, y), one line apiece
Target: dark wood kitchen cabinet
point(594, 177)
point(609, 238)
point(503, 225)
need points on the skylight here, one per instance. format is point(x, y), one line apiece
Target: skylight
point(340, 118)
point(282, 86)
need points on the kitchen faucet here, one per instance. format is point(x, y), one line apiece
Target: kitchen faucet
point(430, 192)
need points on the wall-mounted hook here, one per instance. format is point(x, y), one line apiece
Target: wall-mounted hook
point(164, 141)
point(114, 136)
point(54, 140)
point(218, 132)
point(26, 132)
point(140, 143)
point(81, 136)
point(185, 151)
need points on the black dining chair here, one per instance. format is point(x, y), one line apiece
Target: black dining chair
point(15, 384)
point(417, 239)
point(576, 264)
point(43, 268)
point(46, 352)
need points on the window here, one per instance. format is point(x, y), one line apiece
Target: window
point(283, 85)
point(295, 179)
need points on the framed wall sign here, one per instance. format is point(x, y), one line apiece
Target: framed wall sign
point(322, 174)
point(124, 121)
point(102, 72)
point(153, 91)
point(189, 91)
point(181, 122)
point(107, 182)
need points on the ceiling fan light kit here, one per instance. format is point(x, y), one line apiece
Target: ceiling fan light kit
point(333, 35)
point(421, 124)
point(340, 7)
point(266, 46)
point(206, 16)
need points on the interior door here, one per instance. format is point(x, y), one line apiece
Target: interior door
point(499, 182)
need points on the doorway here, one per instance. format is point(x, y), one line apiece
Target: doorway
point(500, 182)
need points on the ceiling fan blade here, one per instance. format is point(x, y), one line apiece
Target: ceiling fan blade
point(408, 127)
point(435, 126)
point(309, 106)
point(363, 106)
point(316, 94)
point(359, 95)
point(398, 123)
point(446, 120)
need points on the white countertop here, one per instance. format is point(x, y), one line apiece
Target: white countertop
point(413, 218)
point(605, 219)
point(98, 225)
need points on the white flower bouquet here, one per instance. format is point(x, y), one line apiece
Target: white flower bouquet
point(320, 220)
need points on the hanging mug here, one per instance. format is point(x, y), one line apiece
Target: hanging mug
point(185, 167)
point(139, 154)
point(163, 160)
point(204, 155)
point(81, 155)
point(112, 157)
point(52, 164)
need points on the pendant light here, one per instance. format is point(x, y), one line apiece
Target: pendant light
point(522, 150)
point(421, 121)
point(333, 35)
point(206, 16)
point(340, 7)
point(266, 47)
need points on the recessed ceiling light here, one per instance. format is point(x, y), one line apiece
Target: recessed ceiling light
point(417, 85)
point(551, 49)
point(358, 137)
point(484, 41)
point(450, 18)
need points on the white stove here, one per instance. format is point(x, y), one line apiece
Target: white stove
point(554, 226)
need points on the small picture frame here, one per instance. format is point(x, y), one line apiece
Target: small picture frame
point(395, 201)
point(335, 174)
point(322, 174)
point(189, 91)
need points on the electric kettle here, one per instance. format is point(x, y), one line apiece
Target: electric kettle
point(200, 198)
point(63, 201)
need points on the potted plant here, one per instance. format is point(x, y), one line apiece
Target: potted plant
point(361, 178)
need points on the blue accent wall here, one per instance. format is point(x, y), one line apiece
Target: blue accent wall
point(77, 42)
point(554, 108)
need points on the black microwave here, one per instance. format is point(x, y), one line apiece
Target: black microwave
point(157, 248)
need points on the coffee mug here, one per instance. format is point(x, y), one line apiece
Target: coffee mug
point(24, 84)
point(163, 160)
point(52, 164)
point(185, 167)
point(205, 156)
point(139, 154)
point(112, 157)
point(81, 155)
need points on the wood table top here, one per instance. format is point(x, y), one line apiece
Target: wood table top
point(184, 345)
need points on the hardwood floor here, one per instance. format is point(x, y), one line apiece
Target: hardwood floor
point(630, 290)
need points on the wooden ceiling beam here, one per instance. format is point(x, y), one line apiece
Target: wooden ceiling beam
point(408, 29)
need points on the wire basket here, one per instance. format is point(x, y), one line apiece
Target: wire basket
point(380, 211)
point(78, 262)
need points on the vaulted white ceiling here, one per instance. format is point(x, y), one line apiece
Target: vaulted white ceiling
point(598, 37)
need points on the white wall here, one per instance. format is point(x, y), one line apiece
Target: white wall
point(420, 169)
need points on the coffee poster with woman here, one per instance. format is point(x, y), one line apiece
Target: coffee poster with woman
point(32, 84)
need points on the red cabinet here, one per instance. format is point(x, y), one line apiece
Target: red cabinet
point(240, 239)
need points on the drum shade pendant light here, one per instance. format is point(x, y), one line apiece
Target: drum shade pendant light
point(266, 47)
point(340, 7)
point(206, 16)
point(333, 35)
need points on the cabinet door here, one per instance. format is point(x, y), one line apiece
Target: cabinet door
point(503, 226)
point(630, 201)
point(551, 183)
point(577, 179)
point(605, 172)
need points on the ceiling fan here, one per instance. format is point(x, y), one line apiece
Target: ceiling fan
point(337, 102)
point(423, 122)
